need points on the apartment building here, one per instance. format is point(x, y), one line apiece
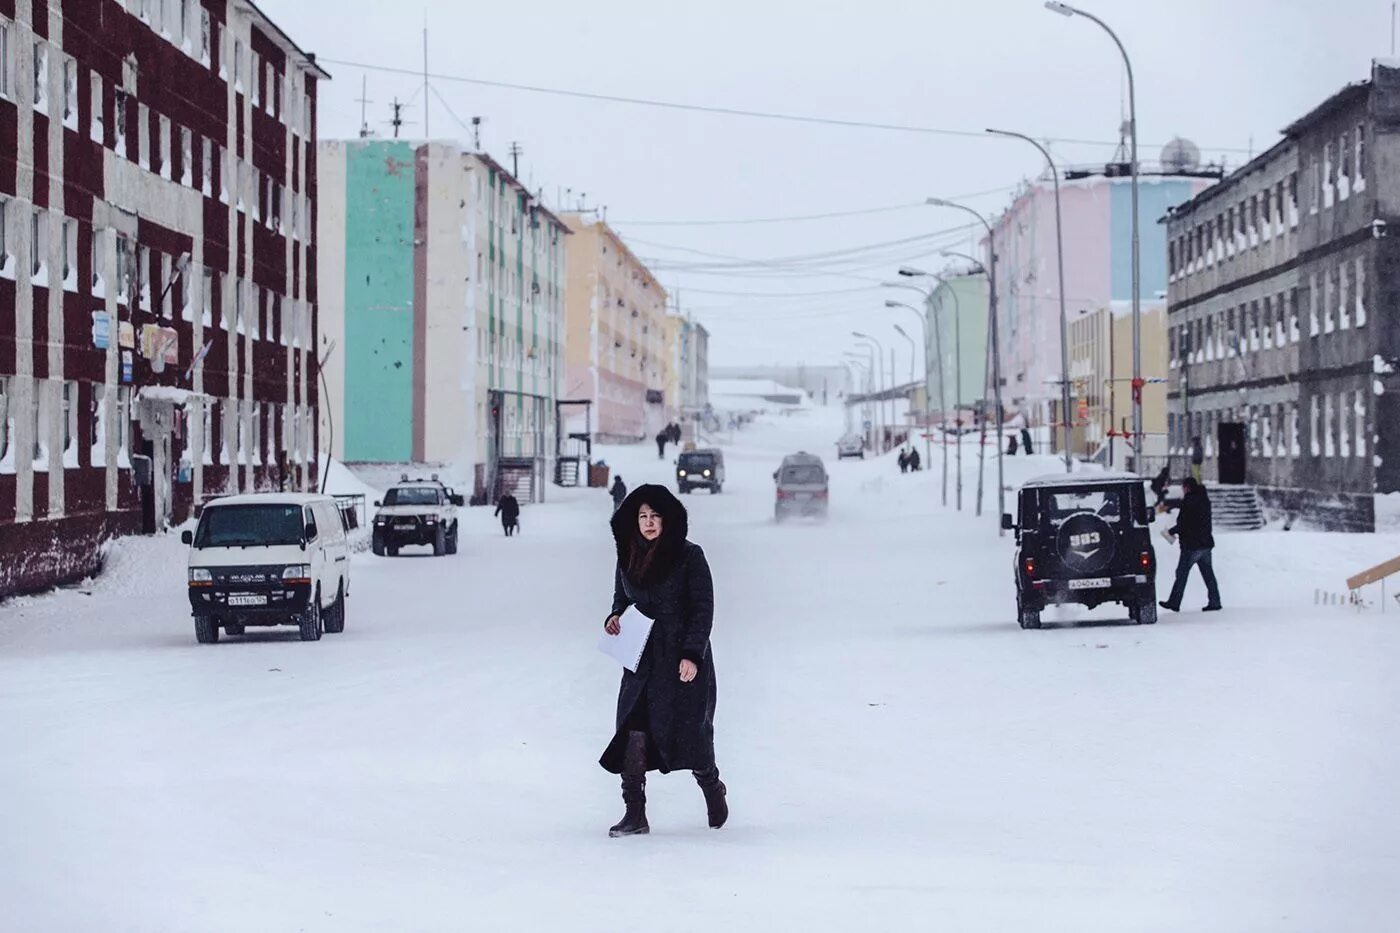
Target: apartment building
point(1282, 362)
point(157, 270)
point(616, 333)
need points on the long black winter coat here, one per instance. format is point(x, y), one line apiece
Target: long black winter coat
point(678, 593)
point(1193, 522)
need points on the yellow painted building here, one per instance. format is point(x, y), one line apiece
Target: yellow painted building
point(1101, 367)
point(616, 333)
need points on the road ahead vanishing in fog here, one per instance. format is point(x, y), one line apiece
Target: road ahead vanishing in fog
point(895, 747)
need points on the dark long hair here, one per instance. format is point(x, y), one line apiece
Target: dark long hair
point(648, 562)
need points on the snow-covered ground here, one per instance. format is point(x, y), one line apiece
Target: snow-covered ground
point(899, 754)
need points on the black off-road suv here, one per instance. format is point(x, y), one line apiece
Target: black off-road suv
point(1084, 540)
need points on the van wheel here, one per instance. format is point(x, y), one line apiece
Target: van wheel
point(206, 630)
point(335, 617)
point(439, 542)
point(376, 544)
point(392, 549)
point(1143, 612)
point(233, 628)
point(452, 540)
point(311, 623)
point(716, 489)
point(1029, 618)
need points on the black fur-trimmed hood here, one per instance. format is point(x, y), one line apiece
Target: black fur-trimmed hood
point(675, 527)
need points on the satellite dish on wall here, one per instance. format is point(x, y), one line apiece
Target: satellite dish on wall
point(1181, 155)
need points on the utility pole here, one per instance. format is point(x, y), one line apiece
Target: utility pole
point(398, 120)
point(515, 153)
point(427, 104)
point(476, 137)
point(364, 107)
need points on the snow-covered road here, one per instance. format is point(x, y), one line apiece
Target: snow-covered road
point(899, 754)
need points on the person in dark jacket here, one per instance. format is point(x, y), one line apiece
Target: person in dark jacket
point(661, 438)
point(1026, 447)
point(666, 710)
point(1198, 458)
point(1160, 483)
point(904, 461)
point(618, 492)
point(508, 508)
point(1193, 528)
point(915, 461)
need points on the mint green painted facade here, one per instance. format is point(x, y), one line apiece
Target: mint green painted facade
point(379, 302)
point(960, 304)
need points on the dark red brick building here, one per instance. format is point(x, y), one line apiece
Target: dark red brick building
point(157, 270)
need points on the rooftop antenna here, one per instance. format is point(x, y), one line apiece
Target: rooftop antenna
point(476, 134)
point(398, 120)
point(515, 154)
point(427, 104)
point(364, 105)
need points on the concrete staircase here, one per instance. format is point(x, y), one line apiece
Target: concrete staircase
point(1235, 507)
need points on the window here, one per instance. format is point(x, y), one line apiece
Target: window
point(1344, 161)
point(164, 144)
point(182, 18)
point(1359, 173)
point(1343, 425)
point(99, 240)
point(1359, 411)
point(186, 156)
point(1360, 292)
point(70, 254)
point(204, 36)
point(124, 427)
point(1314, 300)
point(95, 123)
point(5, 269)
point(206, 297)
point(70, 424)
point(119, 108)
point(143, 277)
point(239, 297)
point(206, 167)
point(1344, 288)
point(274, 91)
point(238, 64)
point(7, 65)
point(1327, 174)
point(7, 459)
point(255, 72)
point(206, 437)
point(97, 426)
point(41, 77)
point(1329, 428)
point(70, 93)
point(143, 136)
point(38, 245)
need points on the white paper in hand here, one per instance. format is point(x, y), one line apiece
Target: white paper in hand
point(626, 646)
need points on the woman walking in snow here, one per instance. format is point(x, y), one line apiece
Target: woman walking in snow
point(666, 710)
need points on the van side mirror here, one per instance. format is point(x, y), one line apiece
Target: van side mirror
point(1007, 522)
point(187, 537)
point(457, 499)
point(378, 504)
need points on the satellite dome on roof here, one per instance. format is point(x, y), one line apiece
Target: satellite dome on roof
point(1181, 155)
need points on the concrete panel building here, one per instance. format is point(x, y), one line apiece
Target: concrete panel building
point(616, 343)
point(157, 270)
point(1101, 369)
point(957, 314)
point(444, 294)
point(1282, 292)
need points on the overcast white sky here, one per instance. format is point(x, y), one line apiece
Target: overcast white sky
point(1225, 74)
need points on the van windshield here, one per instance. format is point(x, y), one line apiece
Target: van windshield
point(806, 474)
point(412, 495)
point(248, 525)
point(697, 461)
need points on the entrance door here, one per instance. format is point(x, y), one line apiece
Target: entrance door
point(147, 449)
point(1232, 453)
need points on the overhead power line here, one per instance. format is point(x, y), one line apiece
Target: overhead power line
point(418, 73)
point(793, 218)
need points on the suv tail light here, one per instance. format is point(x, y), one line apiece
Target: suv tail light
point(784, 494)
point(1028, 565)
point(823, 494)
point(1145, 560)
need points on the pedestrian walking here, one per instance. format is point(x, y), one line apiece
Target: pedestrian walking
point(1026, 447)
point(675, 432)
point(661, 438)
point(1012, 446)
point(1193, 529)
point(904, 461)
point(1198, 458)
point(666, 709)
point(508, 508)
point(618, 492)
point(1159, 485)
point(915, 461)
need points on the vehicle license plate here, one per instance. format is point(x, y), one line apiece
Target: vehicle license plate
point(247, 599)
point(1090, 583)
point(804, 497)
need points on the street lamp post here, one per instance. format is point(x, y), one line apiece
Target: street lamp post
point(942, 401)
point(1064, 334)
point(1064, 9)
point(976, 269)
point(923, 322)
point(938, 338)
point(913, 349)
point(995, 351)
point(863, 365)
point(879, 353)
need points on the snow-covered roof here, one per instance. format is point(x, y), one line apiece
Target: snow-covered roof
point(1082, 479)
point(268, 498)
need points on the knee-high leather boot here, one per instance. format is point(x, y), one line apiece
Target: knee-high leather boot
point(714, 790)
point(634, 788)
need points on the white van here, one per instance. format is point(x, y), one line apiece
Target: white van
point(269, 559)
